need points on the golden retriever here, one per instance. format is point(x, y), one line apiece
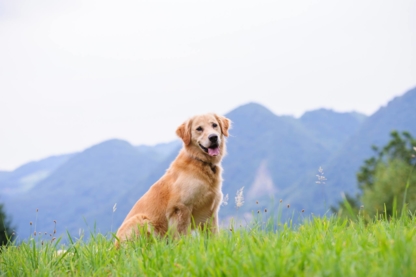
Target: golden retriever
point(188, 195)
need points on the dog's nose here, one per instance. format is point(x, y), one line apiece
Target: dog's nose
point(213, 138)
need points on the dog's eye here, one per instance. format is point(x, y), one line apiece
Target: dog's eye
point(199, 129)
point(214, 125)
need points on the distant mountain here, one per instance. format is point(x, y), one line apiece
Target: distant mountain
point(260, 140)
point(332, 129)
point(160, 151)
point(84, 189)
point(4, 175)
point(272, 157)
point(27, 176)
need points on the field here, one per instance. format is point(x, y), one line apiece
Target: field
point(327, 246)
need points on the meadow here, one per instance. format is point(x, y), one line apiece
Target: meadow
point(320, 246)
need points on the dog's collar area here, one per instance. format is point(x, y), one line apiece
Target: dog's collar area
point(211, 165)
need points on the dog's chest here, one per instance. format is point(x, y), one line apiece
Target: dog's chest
point(205, 205)
point(200, 196)
point(197, 194)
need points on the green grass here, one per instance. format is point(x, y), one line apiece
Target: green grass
point(319, 247)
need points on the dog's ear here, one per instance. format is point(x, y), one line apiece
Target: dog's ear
point(184, 132)
point(225, 124)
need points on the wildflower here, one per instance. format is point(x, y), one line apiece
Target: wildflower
point(303, 210)
point(30, 223)
point(281, 201)
point(258, 211)
point(225, 200)
point(320, 176)
point(239, 198)
point(257, 202)
point(265, 210)
point(288, 205)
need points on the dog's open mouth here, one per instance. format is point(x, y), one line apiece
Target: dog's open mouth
point(213, 150)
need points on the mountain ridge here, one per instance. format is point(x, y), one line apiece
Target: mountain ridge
point(271, 156)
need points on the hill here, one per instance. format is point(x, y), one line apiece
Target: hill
point(332, 128)
point(28, 175)
point(277, 151)
point(272, 157)
point(84, 189)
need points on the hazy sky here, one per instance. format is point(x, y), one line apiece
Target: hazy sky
point(76, 73)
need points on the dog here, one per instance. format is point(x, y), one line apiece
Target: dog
point(188, 195)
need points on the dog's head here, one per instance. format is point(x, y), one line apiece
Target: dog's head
point(203, 136)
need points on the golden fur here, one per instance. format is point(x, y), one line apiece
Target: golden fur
point(189, 194)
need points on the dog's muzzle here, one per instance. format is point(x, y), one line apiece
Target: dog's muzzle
point(214, 148)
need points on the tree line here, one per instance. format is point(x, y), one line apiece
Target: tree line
point(386, 181)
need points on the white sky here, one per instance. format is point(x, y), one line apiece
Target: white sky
point(75, 73)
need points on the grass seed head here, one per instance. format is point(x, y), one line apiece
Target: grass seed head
point(320, 176)
point(239, 198)
point(225, 200)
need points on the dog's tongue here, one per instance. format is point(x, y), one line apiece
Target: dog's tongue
point(213, 151)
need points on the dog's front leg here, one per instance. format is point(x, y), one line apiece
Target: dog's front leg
point(179, 218)
point(213, 224)
point(210, 226)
